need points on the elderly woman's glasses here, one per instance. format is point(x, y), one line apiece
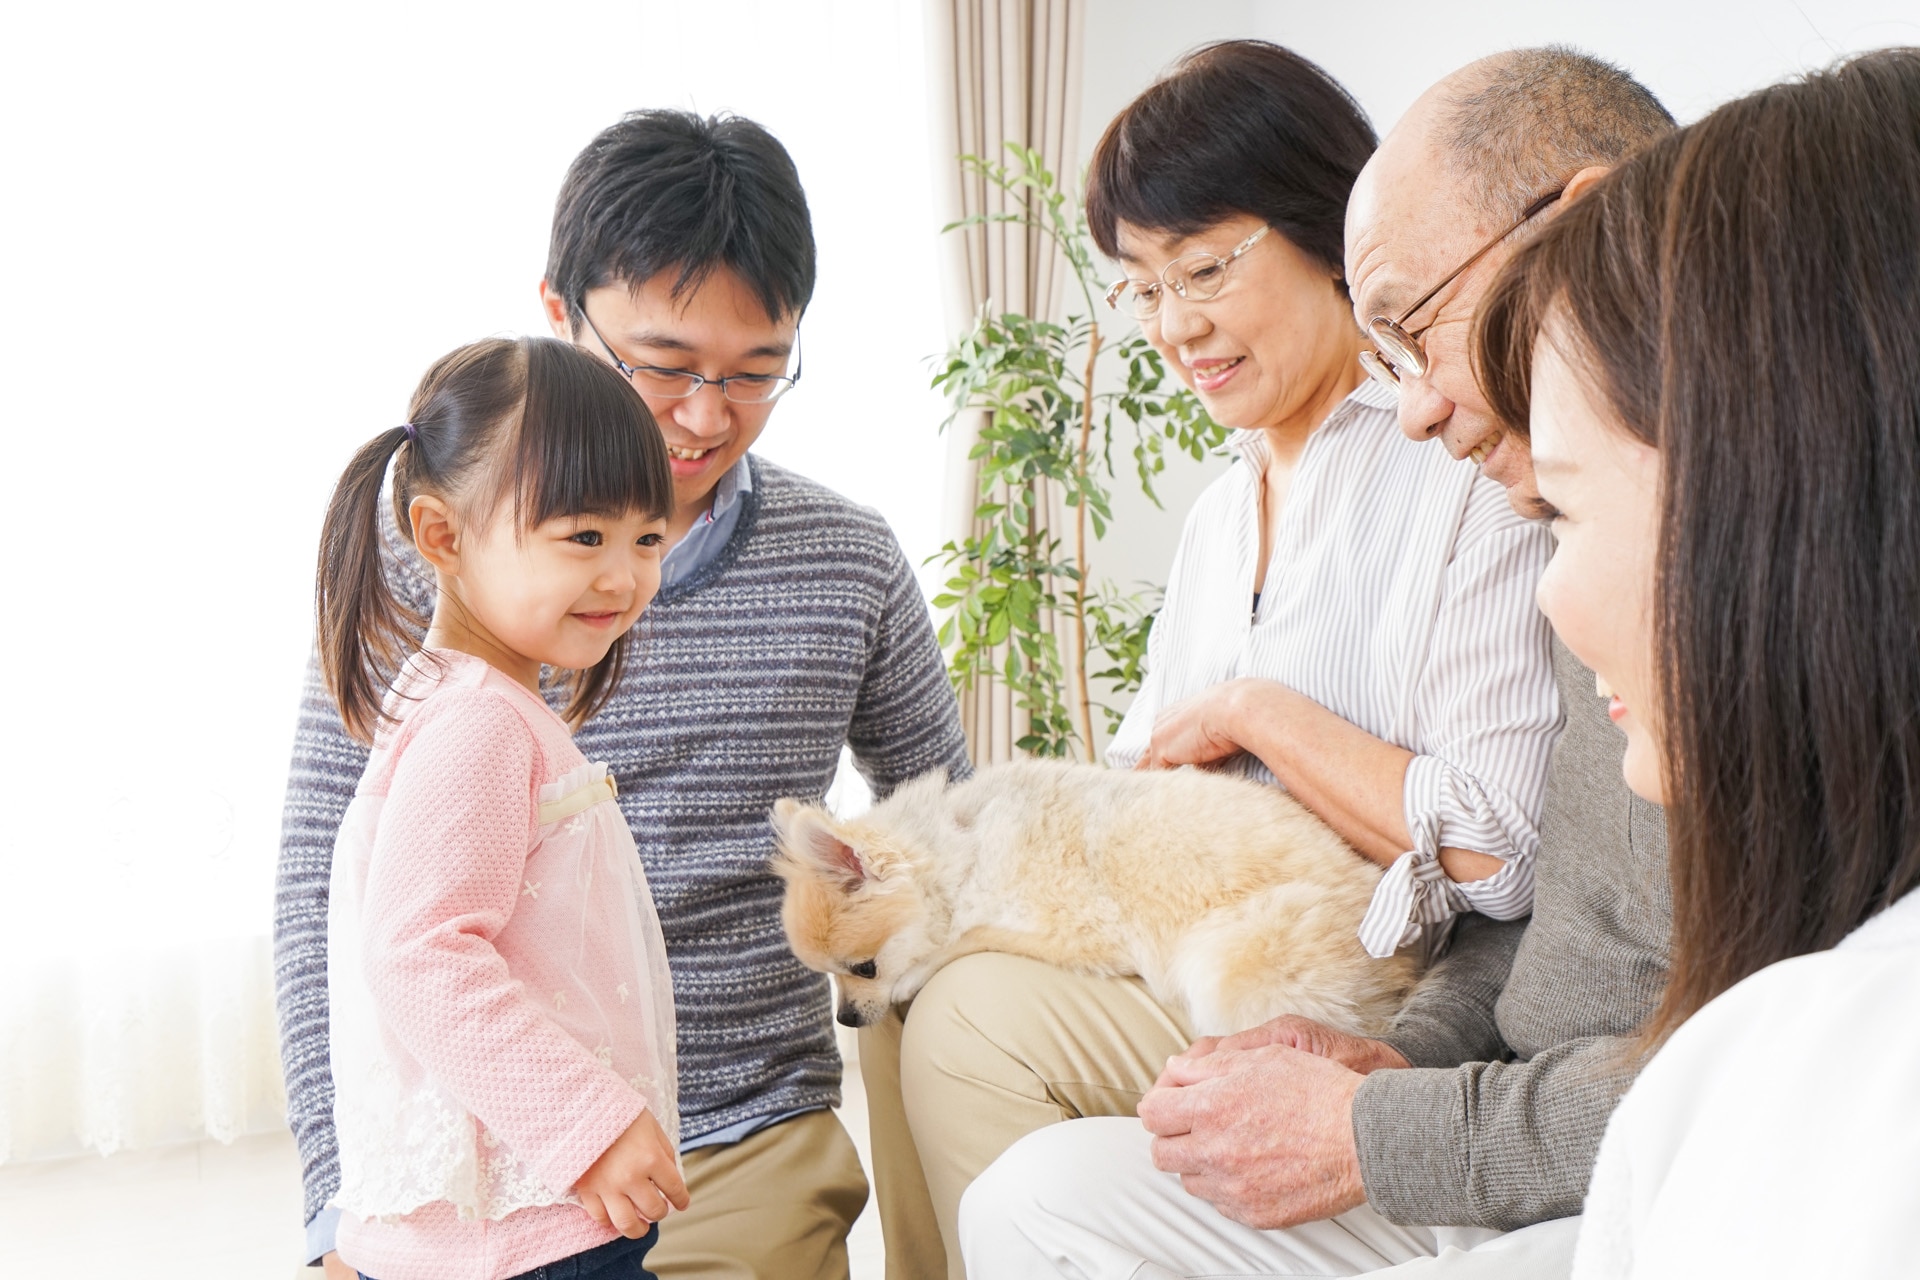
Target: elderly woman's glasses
point(1400, 353)
point(1194, 276)
point(678, 384)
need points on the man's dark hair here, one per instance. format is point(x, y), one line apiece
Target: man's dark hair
point(1238, 127)
point(1538, 117)
point(670, 190)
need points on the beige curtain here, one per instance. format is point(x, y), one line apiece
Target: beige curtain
point(999, 71)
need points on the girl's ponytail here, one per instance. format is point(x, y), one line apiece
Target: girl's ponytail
point(365, 632)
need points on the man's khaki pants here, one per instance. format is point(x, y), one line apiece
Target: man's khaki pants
point(776, 1205)
point(993, 1048)
point(996, 1047)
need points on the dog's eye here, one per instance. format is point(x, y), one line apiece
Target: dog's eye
point(865, 969)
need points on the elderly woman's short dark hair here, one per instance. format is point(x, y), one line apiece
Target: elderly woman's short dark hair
point(1239, 127)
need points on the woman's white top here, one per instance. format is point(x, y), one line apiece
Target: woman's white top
point(1398, 595)
point(1777, 1133)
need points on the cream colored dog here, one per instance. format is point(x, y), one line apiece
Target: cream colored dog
point(1229, 899)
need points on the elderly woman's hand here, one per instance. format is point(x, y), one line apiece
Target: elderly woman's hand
point(1204, 730)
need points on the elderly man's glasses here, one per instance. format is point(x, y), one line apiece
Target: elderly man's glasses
point(678, 384)
point(1401, 353)
point(1194, 276)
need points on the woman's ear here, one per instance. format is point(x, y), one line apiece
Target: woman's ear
point(436, 533)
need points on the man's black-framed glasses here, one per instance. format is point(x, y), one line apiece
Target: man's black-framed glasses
point(678, 384)
point(1400, 352)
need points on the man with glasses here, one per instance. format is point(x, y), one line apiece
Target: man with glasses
point(788, 625)
point(1464, 1137)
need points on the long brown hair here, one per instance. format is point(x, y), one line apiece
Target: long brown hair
point(535, 422)
point(1746, 295)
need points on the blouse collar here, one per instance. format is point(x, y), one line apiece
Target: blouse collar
point(1368, 395)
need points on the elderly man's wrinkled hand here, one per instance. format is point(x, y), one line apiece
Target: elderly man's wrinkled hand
point(1264, 1134)
point(1356, 1053)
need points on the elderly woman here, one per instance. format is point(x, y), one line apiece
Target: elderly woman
point(1719, 349)
point(1350, 614)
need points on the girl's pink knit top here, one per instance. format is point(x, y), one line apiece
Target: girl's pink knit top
point(500, 1004)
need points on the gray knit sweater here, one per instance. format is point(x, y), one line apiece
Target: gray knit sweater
point(1518, 1040)
point(807, 632)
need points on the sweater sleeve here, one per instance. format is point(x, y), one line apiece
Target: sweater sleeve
point(1450, 1017)
point(324, 773)
point(906, 720)
point(448, 867)
point(1489, 1144)
point(326, 768)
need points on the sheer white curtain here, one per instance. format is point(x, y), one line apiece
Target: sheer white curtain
point(1000, 71)
point(121, 1050)
point(235, 236)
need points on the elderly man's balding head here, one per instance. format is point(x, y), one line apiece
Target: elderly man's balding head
point(1517, 125)
point(1463, 165)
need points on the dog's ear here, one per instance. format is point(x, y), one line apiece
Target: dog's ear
point(807, 834)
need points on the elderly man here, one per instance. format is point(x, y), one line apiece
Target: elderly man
point(1303, 1151)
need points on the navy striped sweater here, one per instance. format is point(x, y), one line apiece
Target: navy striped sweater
point(808, 632)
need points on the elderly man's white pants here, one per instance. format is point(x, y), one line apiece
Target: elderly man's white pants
point(1082, 1200)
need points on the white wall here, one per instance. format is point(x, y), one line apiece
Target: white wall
point(1694, 54)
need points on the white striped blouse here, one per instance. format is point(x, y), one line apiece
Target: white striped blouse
point(1399, 595)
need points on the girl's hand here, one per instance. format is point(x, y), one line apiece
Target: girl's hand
point(631, 1185)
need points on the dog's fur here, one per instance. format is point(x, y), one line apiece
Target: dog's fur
point(1229, 899)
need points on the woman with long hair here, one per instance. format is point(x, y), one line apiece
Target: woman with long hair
point(1718, 352)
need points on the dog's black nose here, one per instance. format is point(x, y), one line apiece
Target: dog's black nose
point(849, 1016)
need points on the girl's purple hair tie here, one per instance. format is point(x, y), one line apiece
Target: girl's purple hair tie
point(413, 434)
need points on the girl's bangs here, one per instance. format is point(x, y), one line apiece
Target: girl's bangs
point(588, 444)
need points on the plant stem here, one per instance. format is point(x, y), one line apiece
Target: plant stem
point(1036, 494)
point(1080, 542)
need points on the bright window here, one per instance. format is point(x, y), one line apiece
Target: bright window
point(233, 241)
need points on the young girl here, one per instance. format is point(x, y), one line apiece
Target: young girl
point(502, 1019)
